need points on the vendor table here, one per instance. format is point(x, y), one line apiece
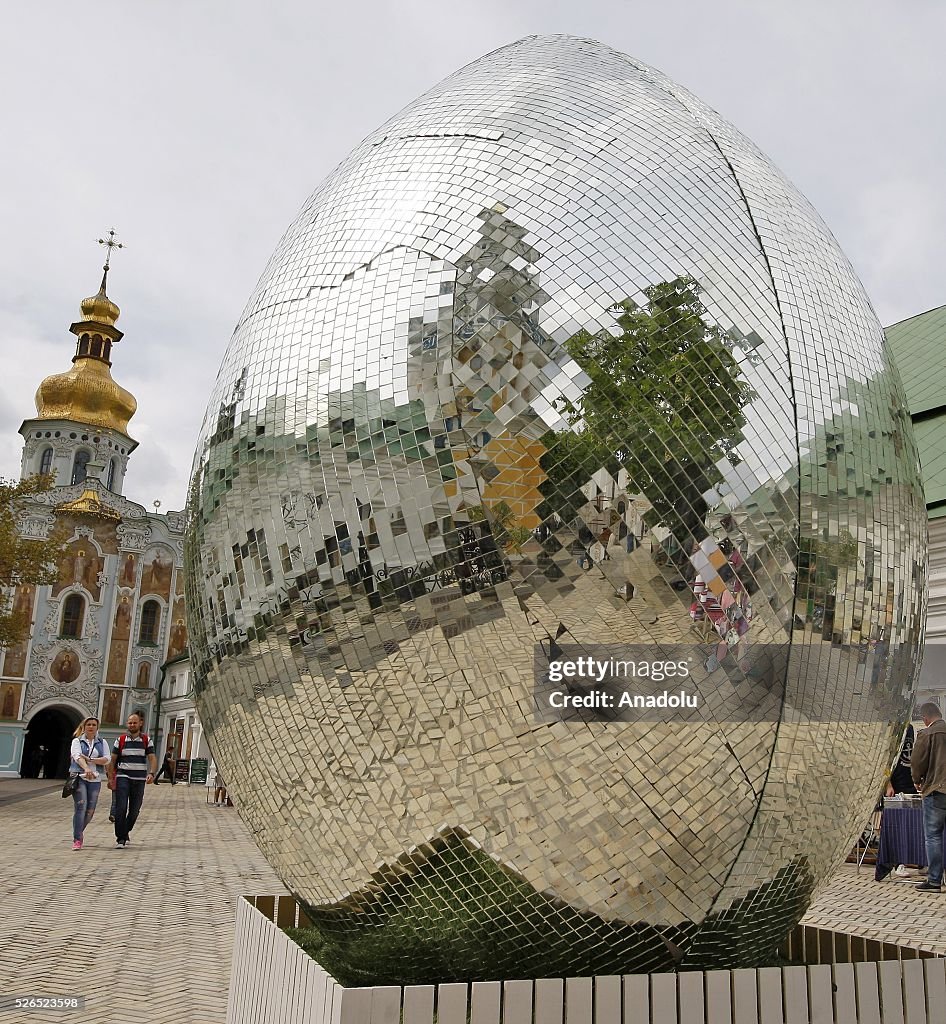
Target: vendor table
point(902, 840)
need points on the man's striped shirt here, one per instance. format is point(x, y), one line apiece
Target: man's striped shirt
point(133, 760)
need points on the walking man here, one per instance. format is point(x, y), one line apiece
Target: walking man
point(168, 768)
point(928, 768)
point(133, 767)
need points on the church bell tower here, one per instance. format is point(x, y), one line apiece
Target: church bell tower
point(80, 430)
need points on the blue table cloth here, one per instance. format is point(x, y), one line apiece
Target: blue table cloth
point(902, 840)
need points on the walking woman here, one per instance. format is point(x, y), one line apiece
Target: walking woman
point(89, 755)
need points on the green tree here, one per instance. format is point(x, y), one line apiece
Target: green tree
point(503, 523)
point(665, 402)
point(22, 560)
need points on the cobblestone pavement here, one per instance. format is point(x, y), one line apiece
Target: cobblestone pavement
point(891, 910)
point(70, 919)
point(145, 933)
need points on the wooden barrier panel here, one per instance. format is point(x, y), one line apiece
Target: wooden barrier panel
point(745, 997)
point(419, 1004)
point(690, 989)
point(820, 995)
point(451, 1003)
point(274, 981)
point(636, 999)
point(607, 999)
point(517, 1001)
point(868, 994)
point(549, 1001)
point(485, 1002)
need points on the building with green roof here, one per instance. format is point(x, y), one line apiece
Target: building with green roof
point(919, 348)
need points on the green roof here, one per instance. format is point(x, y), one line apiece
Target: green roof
point(919, 350)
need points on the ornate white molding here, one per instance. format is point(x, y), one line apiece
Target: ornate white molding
point(84, 688)
point(128, 510)
point(35, 525)
point(133, 538)
point(92, 624)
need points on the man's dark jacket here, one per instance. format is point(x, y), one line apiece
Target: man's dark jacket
point(928, 764)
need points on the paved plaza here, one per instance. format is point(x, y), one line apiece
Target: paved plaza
point(889, 911)
point(71, 918)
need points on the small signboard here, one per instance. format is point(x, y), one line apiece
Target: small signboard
point(199, 766)
point(182, 773)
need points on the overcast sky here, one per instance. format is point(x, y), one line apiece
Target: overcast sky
point(197, 129)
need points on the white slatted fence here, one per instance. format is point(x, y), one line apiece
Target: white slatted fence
point(275, 982)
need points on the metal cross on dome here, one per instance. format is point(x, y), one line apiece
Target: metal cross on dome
point(110, 243)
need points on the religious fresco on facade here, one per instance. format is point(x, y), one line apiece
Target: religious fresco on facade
point(112, 707)
point(103, 531)
point(80, 566)
point(14, 660)
point(122, 630)
point(143, 680)
point(107, 537)
point(117, 660)
point(129, 570)
point(66, 666)
point(156, 573)
point(10, 700)
point(178, 641)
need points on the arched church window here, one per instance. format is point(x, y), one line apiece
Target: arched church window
point(73, 612)
point(150, 618)
point(78, 466)
point(46, 460)
point(110, 479)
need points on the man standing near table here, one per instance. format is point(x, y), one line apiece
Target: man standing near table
point(928, 768)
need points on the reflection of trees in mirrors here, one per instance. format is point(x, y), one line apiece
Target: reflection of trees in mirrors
point(663, 362)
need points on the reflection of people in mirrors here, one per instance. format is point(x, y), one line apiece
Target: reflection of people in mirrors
point(604, 539)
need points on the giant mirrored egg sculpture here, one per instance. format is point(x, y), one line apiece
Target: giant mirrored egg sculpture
point(555, 357)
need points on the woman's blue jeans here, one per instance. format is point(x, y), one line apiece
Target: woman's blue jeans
point(85, 797)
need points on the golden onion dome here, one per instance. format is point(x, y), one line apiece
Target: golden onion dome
point(100, 308)
point(87, 394)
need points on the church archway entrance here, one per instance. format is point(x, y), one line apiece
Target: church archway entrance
point(47, 742)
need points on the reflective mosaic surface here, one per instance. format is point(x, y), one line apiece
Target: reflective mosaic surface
point(555, 356)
